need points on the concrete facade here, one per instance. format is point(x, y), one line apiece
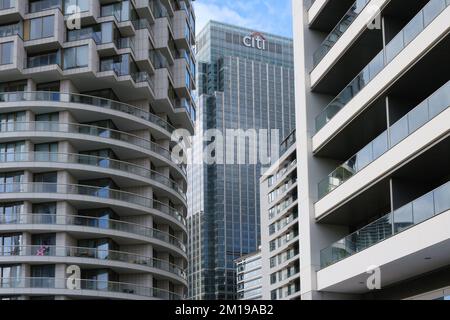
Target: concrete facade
point(372, 98)
point(88, 178)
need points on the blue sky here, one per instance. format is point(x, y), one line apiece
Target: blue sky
point(272, 16)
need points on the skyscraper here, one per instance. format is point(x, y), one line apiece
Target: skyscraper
point(92, 203)
point(373, 113)
point(245, 81)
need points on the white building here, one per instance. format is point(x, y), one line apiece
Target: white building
point(372, 95)
point(249, 277)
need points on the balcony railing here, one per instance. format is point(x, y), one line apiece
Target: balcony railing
point(87, 285)
point(411, 122)
point(92, 222)
point(107, 163)
point(339, 30)
point(44, 126)
point(401, 41)
point(90, 253)
point(412, 214)
point(7, 4)
point(88, 100)
point(91, 191)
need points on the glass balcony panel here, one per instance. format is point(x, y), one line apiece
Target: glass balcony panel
point(423, 208)
point(413, 28)
point(442, 199)
point(440, 100)
point(380, 145)
point(403, 218)
point(364, 157)
point(418, 116)
point(399, 131)
point(433, 9)
point(394, 47)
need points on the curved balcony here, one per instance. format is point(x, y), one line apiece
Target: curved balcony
point(99, 162)
point(92, 222)
point(106, 289)
point(66, 98)
point(96, 192)
point(407, 125)
point(338, 31)
point(415, 27)
point(90, 253)
point(100, 132)
point(408, 216)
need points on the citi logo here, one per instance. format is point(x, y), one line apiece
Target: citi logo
point(255, 40)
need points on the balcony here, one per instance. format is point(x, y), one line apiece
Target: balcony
point(100, 288)
point(99, 132)
point(408, 216)
point(96, 163)
point(96, 223)
point(411, 31)
point(407, 125)
point(95, 192)
point(33, 252)
point(65, 98)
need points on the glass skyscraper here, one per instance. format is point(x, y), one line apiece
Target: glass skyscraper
point(245, 81)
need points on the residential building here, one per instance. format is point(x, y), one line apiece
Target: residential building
point(280, 226)
point(92, 201)
point(249, 277)
point(372, 95)
point(245, 81)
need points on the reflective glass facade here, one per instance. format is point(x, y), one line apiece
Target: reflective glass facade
point(240, 86)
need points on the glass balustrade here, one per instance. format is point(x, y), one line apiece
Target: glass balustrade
point(410, 215)
point(90, 191)
point(93, 161)
point(329, 42)
point(90, 253)
point(411, 122)
point(87, 285)
point(92, 222)
point(89, 100)
point(395, 46)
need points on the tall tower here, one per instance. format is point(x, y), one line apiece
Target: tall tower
point(245, 81)
point(90, 93)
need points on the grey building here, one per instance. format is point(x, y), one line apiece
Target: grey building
point(92, 202)
point(373, 148)
point(245, 81)
point(280, 225)
point(249, 277)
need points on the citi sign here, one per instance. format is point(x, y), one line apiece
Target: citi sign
point(255, 40)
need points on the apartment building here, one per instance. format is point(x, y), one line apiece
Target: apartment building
point(372, 95)
point(249, 277)
point(280, 226)
point(92, 201)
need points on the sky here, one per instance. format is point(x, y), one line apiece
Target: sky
point(271, 16)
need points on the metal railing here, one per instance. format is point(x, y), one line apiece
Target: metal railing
point(95, 161)
point(88, 100)
point(101, 132)
point(87, 285)
point(90, 253)
point(90, 191)
point(92, 222)
point(410, 215)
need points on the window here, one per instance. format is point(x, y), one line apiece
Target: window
point(46, 181)
point(13, 151)
point(9, 121)
point(46, 152)
point(39, 28)
point(6, 52)
point(9, 275)
point(76, 57)
point(45, 213)
point(6, 4)
point(10, 244)
point(82, 5)
point(11, 182)
point(10, 212)
point(41, 5)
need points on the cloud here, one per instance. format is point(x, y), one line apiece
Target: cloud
point(273, 16)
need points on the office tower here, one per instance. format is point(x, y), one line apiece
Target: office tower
point(249, 277)
point(372, 98)
point(92, 202)
point(245, 81)
point(280, 226)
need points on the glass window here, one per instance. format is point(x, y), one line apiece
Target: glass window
point(39, 28)
point(76, 57)
point(6, 53)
